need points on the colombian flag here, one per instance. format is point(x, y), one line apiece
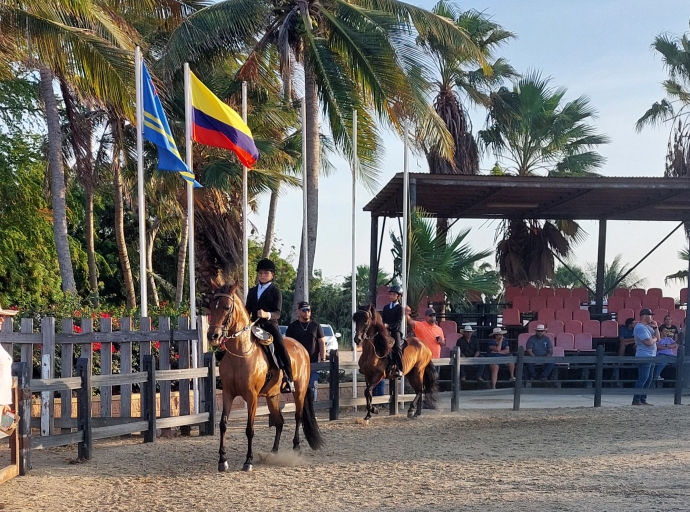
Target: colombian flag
point(216, 124)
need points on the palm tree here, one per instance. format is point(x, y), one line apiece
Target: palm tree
point(360, 54)
point(681, 275)
point(616, 275)
point(532, 131)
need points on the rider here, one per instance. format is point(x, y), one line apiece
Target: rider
point(392, 315)
point(264, 301)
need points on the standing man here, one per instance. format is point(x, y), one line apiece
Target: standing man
point(428, 331)
point(310, 335)
point(646, 337)
point(392, 316)
point(539, 345)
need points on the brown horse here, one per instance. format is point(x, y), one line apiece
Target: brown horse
point(371, 332)
point(245, 371)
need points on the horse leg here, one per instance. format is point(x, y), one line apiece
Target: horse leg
point(222, 451)
point(251, 413)
point(299, 409)
point(367, 395)
point(273, 403)
point(415, 380)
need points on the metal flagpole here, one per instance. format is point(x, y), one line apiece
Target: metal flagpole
point(406, 206)
point(140, 180)
point(305, 238)
point(245, 200)
point(354, 263)
point(190, 227)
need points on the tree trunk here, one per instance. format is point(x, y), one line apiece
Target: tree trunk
point(57, 182)
point(312, 180)
point(181, 258)
point(271, 224)
point(150, 240)
point(120, 225)
point(90, 245)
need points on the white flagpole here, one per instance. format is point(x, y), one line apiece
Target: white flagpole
point(406, 215)
point(305, 238)
point(354, 263)
point(190, 227)
point(245, 209)
point(140, 180)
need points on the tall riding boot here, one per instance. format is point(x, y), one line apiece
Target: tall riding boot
point(289, 386)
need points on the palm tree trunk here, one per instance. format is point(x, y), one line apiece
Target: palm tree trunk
point(90, 245)
point(120, 227)
point(181, 259)
point(312, 180)
point(58, 188)
point(150, 240)
point(271, 224)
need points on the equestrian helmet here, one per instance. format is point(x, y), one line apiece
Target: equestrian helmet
point(266, 264)
point(395, 289)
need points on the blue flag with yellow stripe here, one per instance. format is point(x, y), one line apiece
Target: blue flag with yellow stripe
point(157, 130)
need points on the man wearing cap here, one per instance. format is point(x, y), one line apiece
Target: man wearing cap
point(539, 345)
point(5, 368)
point(392, 316)
point(646, 337)
point(499, 347)
point(427, 331)
point(310, 335)
point(469, 347)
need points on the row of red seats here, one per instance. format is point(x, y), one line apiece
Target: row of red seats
point(677, 315)
point(648, 301)
point(563, 341)
point(532, 291)
point(641, 293)
point(605, 329)
point(534, 304)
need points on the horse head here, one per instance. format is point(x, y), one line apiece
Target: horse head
point(362, 320)
point(224, 309)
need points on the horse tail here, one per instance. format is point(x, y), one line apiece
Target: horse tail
point(309, 424)
point(430, 382)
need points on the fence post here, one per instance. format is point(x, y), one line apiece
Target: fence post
point(393, 405)
point(598, 383)
point(148, 397)
point(66, 367)
point(47, 359)
point(210, 386)
point(334, 385)
point(183, 386)
point(85, 450)
point(680, 360)
point(23, 373)
point(455, 380)
point(518, 378)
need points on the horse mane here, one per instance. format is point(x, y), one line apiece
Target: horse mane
point(382, 337)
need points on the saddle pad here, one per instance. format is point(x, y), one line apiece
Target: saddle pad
point(262, 336)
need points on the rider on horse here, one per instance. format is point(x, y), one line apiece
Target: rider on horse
point(392, 316)
point(264, 302)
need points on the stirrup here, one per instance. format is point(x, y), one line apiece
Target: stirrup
point(287, 386)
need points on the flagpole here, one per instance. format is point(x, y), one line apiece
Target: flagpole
point(140, 181)
point(245, 200)
point(305, 238)
point(354, 263)
point(406, 215)
point(190, 227)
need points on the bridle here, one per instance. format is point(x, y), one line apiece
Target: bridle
point(365, 334)
point(224, 336)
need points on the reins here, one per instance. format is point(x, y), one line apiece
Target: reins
point(365, 335)
point(224, 332)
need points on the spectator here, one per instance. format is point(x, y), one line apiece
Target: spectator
point(310, 335)
point(428, 332)
point(626, 338)
point(665, 347)
point(5, 369)
point(668, 330)
point(499, 347)
point(646, 337)
point(469, 347)
point(539, 345)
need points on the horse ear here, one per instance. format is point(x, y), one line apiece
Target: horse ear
point(233, 288)
point(214, 285)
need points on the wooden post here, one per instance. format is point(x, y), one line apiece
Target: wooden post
point(144, 350)
point(164, 364)
point(66, 366)
point(85, 450)
point(47, 358)
point(518, 378)
point(148, 395)
point(126, 367)
point(23, 373)
point(455, 379)
point(680, 360)
point(106, 369)
point(393, 406)
point(599, 376)
point(184, 352)
point(210, 386)
point(334, 385)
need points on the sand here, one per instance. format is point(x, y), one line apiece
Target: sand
point(613, 459)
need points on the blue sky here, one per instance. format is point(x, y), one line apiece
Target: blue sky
point(600, 49)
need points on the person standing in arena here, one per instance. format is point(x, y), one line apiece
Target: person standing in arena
point(310, 335)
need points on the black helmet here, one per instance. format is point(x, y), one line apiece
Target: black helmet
point(395, 289)
point(266, 264)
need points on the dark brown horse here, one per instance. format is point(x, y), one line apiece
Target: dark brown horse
point(373, 335)
point(245, 371)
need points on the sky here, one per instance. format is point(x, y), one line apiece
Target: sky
point(596, 48)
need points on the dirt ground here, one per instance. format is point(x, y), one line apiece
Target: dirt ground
point(612, 459)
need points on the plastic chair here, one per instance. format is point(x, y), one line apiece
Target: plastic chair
point(566, 340)
point(638, 292)
point(555, 327)
point(448, 326)
point(551, 336)
point(583, 342)
point(655, 292)
point(558, 351)
point(581, 314)
point(621, 292)
point(633, 302)
point(512, 292)
point(678, 315)
point(521, 302)
point(554, 303)
point(536, 303)
point(530, 291)
point(564, 292)
point(546, 292)
point(609, 329)
point(381, 301)
point(592, 327)
point(571, 303)
point(451, 340)
point(581, 293)
point(615, 303)
point(532, 326)
point(623, 314)
point(564, 315)
point(683, 295)
point(522, 339)
point(511, 317)
point(667, 303)
point(546, 315)
point(660, 313)
point(650, 301)
point(573, 327)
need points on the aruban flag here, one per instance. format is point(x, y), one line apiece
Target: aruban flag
point(216, 124)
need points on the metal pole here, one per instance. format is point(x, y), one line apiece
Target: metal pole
point(140, 181)
point(305, 238)
point(601, 266)
point(245, 209)
point(406, 220)
point(354, 230)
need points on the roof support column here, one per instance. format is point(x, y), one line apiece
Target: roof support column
point(601, 266)
point(413, 195)
point(373, 257)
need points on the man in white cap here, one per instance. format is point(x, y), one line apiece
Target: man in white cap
point(5, 368)
point(469, 347)
point(539, 345)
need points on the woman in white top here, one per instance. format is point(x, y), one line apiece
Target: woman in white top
point(5, 369)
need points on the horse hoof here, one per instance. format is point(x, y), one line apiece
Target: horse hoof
point(247, 467)
point(411, 415)
point(374, 410)
point(223, 466)
point(366, 421)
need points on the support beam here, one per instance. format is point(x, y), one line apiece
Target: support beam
point(373, 258)
point(413, 194)
point(601, 266)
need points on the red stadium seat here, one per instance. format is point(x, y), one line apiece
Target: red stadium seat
point(615, 304)
point(621, 292)
point(512, 292)
point(566, 341)
point(554, 303)
point(551, 336)
point(382, 290)
point(558, 351)
point(449, 327)
point(451, 340)
point(683, 295)
point(546, 292)
point(650, 301)
point(532, 326)
point(536, 303)
point(638, 292)
point(633, 302)
point(667, 303)
point(564, 292)
point(546, 315)
point(511, 317)
point(571, 303)
point(423, 304)
point(655, 292)
point(660, 313)
point(581, 314)
point(522, 303)
point(678, 315)
point(609, 329)
point(381, 301)
point(592, 327)
point(623, 314)
point(637, 313)
point(583, 342)
point(573, 327)
point(522, 339)
point(555, 327)
point(564, 315)
point(581, 293)
point(530, 291)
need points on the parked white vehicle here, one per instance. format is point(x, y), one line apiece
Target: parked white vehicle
point(331, 337)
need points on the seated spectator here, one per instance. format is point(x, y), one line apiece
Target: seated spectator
point(665, 347)
point(539, 345)
point(469, 347)
point(626, 338)
point(428, 331)
point(499, 347)
point(670, 330)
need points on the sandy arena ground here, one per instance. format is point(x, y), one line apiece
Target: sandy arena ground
point(612, 459)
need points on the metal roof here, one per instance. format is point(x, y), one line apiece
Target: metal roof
point(536, 197)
